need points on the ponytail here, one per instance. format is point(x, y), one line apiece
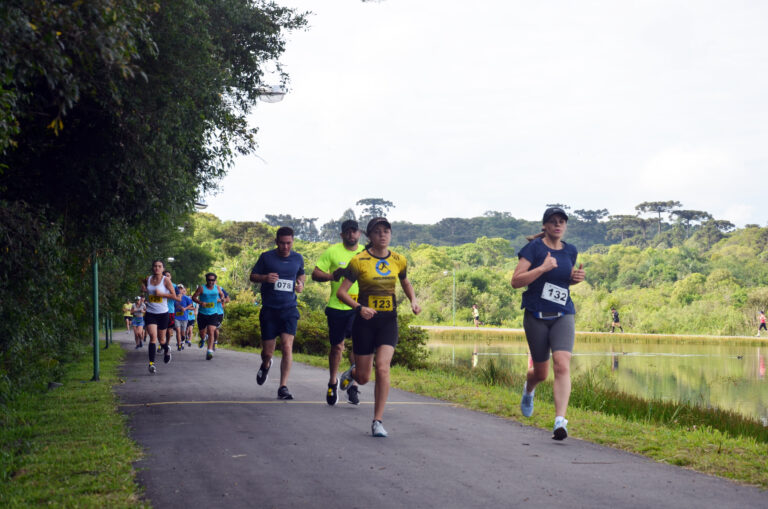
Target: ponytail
point(535, 236)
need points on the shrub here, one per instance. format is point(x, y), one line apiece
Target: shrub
point(411, 350)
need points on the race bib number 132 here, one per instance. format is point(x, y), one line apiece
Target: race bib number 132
point(554, 293)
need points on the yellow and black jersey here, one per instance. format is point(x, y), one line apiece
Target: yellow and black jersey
point(377, 278)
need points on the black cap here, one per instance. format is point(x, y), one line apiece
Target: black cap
point(551, 212)
point(375, 222)
point(349, 224)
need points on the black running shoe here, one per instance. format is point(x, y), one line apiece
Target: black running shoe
point(283, 393)
point(167, 356)
point(352, 395)
point(263, 374)
point(208, 355)
point(332, 397)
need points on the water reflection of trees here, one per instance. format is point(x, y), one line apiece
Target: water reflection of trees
point(730, 377)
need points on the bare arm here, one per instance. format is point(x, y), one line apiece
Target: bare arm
point(578, 275)
point(524, 275)
point(411, 294)
point(343, 295)
point(272, 277)
point(196, 295)
point(320, 276)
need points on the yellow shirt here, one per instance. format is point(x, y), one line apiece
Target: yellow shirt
point(377, 278)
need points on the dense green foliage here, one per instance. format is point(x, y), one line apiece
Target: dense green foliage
point(695, 287)
point(114, 116)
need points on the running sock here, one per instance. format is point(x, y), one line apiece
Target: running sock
point(152, 351)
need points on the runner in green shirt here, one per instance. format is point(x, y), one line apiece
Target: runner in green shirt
point(340, 316)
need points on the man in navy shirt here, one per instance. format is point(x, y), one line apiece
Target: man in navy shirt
point(281, 274)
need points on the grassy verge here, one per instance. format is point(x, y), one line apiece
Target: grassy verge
point(68, 447)
point(664, 434)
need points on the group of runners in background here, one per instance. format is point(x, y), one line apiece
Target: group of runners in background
point(363, 307)
point(164, 309)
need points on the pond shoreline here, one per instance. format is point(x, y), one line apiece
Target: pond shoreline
point(443, 328)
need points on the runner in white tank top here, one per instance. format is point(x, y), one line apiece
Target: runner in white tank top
point(159, 289)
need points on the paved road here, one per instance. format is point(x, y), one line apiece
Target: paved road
point(213, 438)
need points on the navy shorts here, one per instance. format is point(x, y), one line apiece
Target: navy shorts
point(278, 321)
point(159, 319)
point(368, 335)
point(339, 324)
point(204, 321)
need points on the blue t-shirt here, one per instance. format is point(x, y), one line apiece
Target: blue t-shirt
point(220, 305)
point(185, 301)
point(279, 295)
point(546, 293)
point(191, 311)
point(171, 302)
point(208, 299)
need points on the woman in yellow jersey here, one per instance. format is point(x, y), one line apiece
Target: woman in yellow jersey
point(374, 333)
point(127, 316)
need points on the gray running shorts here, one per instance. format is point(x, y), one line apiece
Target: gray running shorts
point(545, 335)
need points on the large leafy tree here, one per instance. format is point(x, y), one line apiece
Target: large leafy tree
point(658, 208)
point(373, 207)
point(690, 217)
point(113, 117)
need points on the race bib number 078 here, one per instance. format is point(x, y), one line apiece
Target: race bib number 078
point(554, 293)
point(284, 285)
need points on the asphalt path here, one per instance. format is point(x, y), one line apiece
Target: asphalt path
point(213, 438)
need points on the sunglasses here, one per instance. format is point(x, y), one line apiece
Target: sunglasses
point(211, 280)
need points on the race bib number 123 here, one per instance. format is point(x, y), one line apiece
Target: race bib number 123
point(380, 302)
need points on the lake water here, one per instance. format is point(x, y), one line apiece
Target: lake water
point(727, 374)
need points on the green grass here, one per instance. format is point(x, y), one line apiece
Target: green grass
point(68, 447)
point(705, 440)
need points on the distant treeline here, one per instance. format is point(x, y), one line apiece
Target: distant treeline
point(656, 223)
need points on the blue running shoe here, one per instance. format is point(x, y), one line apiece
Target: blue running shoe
point(346, 378)
point(526, 403)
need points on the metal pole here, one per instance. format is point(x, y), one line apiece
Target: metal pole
point(95, 319)
point(107, 330)
point(454, 297)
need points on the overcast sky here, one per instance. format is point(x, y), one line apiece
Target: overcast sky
point(450, 109)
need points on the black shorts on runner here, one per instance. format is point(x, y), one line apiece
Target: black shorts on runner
point(190, 323)
point(159, 319)
point(220, 319)
point(340, 323)
point(204, 321)
point(368, 335)
point(278, 321)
